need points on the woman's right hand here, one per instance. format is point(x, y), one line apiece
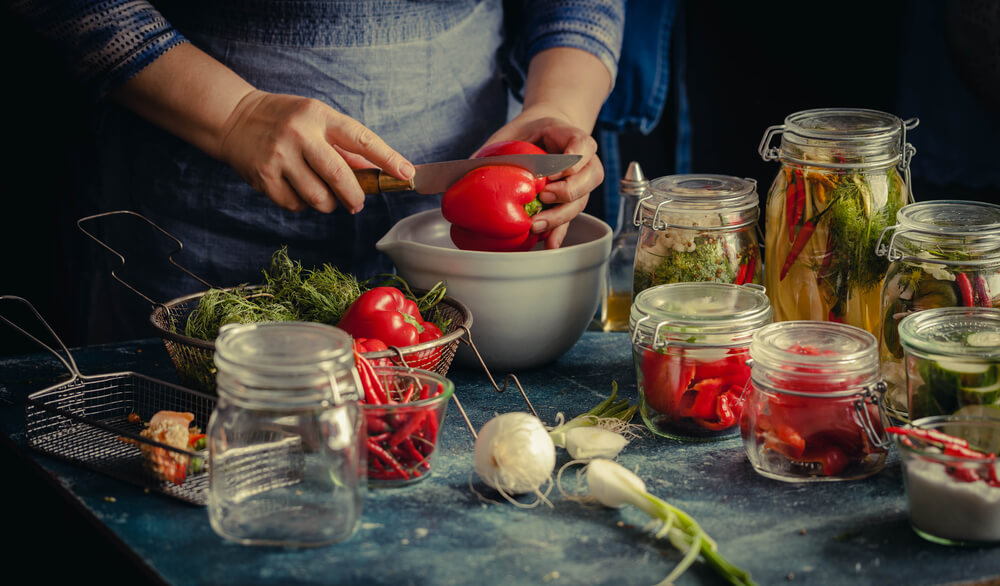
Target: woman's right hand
point(300, 152)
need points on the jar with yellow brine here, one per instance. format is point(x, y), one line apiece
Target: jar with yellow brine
point(697, 228)
point(842, 180)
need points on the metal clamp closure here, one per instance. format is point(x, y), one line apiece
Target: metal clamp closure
point(873, 394)
point(767, 152)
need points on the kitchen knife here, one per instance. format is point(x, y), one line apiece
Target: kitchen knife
point(438, 177)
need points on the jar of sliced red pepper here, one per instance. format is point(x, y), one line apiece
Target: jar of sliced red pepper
point(941, 254)
point(286, 459)
point(697, 228)
point(690, 344)
point(813, 411)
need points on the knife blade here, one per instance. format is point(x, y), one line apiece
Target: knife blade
point(434, 178)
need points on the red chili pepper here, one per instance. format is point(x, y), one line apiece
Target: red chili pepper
point(490, 208)
point(751, 269)
point(386, 457)
point(800, 241)
point(965, 289)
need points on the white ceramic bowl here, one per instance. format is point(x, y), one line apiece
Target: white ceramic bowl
point(528, 308)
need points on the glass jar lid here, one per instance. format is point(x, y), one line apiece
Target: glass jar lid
point(291, 363)
point(702, 202)
point(815, 349)
point(697, 314)
point(957, 332)
point(841, 137)
point(946, 232)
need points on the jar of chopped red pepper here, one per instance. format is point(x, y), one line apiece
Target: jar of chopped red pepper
point(690, 345)
point(813, 411)
point(286, 459)
point(941, 254)
point(844, 175)
point(697, 228)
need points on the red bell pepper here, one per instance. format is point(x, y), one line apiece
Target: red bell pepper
point(490, 208)
point(386, 315)
point(694, 393)
point(808, 430)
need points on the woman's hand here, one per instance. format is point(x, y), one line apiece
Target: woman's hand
point(571, 188)
point(301, 152)
point(563, 93)
point(298, 151)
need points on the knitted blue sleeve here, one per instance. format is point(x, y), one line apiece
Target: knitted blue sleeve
point(595, 26)
point(103, 42)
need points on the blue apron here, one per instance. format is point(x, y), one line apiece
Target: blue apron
point(424, 77)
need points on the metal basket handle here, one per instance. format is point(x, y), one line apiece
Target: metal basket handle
point(170, 257)
point(67, 361)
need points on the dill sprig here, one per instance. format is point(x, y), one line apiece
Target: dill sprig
point(292, 292)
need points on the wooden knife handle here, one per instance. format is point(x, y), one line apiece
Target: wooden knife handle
point(376, 181)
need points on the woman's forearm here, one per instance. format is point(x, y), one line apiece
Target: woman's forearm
point(187, 93)
point(572, 81)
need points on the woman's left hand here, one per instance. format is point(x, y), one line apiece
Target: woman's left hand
point(570, 190)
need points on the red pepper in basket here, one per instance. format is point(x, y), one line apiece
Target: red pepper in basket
point(490, 208)
point(384, 314)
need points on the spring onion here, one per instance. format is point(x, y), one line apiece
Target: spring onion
point(614, 486)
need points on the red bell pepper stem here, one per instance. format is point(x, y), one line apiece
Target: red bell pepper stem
point(965, 289)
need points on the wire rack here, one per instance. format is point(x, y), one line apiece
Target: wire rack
point(96, 421)
point(193, 358)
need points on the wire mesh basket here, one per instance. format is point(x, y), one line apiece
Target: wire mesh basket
point(193, 358)
point(97, 422)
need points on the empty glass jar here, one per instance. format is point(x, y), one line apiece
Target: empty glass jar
point(941, 254)
point(286, 464)
point(697, 228)
point(813, 411)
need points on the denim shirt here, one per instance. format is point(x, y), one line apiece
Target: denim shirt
point(428, 77)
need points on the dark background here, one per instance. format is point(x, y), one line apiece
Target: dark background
point(749, 65)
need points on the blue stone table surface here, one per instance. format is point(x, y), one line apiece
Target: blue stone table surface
point(450, 529)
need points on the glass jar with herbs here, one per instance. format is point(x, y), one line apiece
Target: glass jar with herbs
point(697, 228)
point(842, 180)
point(941, 254)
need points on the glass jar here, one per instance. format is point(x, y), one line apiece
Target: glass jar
point(813, 411)
point(617, 298)
point(952, 358)
point(404, 433)
point(952, 495)
point(690, 346)
point(697, 228)
point(838, 187)
point(286, 464)
point(941, 254)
